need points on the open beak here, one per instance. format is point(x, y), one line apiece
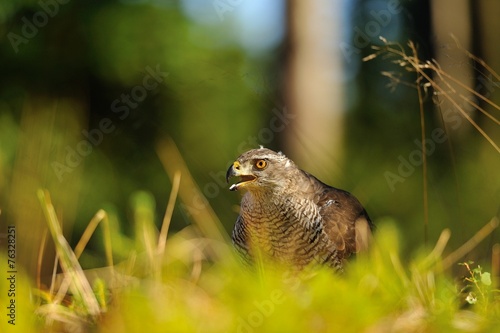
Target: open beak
point(236, 170)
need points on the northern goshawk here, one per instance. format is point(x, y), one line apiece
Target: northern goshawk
point(289, 216)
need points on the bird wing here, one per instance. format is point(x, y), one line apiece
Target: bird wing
point(345, 221)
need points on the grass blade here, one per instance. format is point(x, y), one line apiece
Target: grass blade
point(162, 239)
point(79, 286)
point(195, 202)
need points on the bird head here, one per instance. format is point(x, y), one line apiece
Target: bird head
point(258, 169)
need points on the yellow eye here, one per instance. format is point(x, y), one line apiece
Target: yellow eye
point(260, 164)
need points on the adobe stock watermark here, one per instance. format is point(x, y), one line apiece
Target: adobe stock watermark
point(264, 309)
point(453, 119)
point(407, 166)
point(277, 123)
point(31, 26)
point(223, 6)
point(371, 30)
point(121, 107)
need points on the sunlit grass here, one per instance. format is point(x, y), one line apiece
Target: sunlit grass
point(186, 288)
point(432, 82)
point(430, 75)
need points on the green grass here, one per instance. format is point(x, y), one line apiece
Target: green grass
point(191, 283)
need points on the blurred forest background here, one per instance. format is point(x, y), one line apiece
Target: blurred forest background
point(90, 91)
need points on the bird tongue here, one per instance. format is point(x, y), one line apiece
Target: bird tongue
point(243, 179)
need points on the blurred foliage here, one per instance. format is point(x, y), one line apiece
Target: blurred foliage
point(95, 53)
point(187, 288)
point(384, 125)
point(212, 98)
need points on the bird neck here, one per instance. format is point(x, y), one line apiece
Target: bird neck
point(271, 202)
point(263, 199)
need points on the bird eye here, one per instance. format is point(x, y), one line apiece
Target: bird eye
point(260, 164)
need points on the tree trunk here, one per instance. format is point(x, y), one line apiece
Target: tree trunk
point(314, 87)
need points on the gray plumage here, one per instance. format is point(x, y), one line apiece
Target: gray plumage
point(291, 217)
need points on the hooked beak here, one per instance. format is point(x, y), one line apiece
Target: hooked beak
point(237, 170)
